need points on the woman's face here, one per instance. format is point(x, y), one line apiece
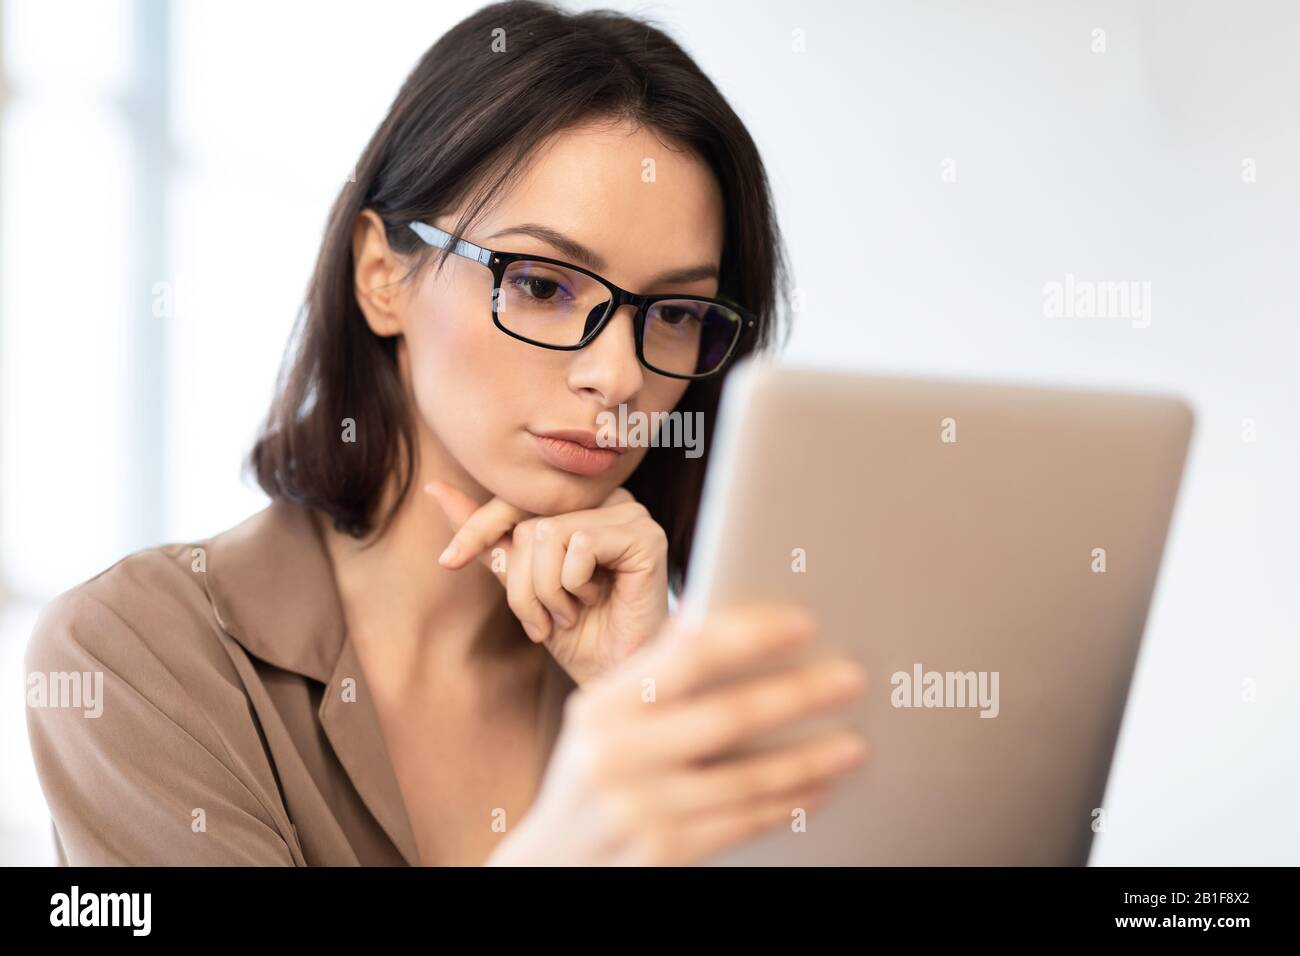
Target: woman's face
point(482, 397)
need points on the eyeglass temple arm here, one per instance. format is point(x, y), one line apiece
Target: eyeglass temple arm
point(441, 239)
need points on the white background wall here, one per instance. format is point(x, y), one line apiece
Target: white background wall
point(120, 428)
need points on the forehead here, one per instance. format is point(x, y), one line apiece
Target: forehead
point(644, 204)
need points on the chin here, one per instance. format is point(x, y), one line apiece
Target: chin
point(559, 493)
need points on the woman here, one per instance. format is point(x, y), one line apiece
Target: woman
point(447, 640)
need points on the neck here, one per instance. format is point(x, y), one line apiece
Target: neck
point(401, 606)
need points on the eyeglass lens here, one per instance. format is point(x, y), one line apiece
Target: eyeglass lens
point(553, 305)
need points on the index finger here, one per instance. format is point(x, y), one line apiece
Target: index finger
point(728, 642)
point(479, 529)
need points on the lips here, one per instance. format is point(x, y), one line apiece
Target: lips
point(575, 451)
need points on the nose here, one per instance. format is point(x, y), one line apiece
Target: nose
point(607, 369)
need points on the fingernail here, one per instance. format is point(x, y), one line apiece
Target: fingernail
point(532, 632)
point(449, 553)
point(432, 488)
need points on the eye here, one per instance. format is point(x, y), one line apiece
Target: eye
point(675, 313)
point(536, 287)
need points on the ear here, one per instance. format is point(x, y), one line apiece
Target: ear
point(376, 277)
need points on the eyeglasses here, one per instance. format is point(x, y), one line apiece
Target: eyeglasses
point(555, 305)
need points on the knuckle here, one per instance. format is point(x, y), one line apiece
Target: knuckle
point(519, 603)
point(543, 586)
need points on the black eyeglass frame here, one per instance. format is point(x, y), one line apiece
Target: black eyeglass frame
point(498, 261)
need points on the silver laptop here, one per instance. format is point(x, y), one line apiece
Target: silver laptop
point(988, 552)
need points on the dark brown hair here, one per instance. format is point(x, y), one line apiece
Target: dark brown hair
point(464, 122)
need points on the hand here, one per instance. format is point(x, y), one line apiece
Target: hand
point(591, 585)
point(657, 779)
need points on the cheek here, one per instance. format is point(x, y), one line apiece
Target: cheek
point(457, 368)
point(662, 394)
point(475, 389)
point(659, 395)
point(442, 339)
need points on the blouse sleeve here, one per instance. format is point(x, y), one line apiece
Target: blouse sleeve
point(135, 772)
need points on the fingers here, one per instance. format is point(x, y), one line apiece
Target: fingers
point(720, 685)
point(729, 642)
point(692, 839)
point(629, 548)
point(717, 832)
point(719, 721)
point(520, 593)
point(667, 777)
point(457, 505)
point(548, 574)
point(549, 555)
point(566, 549)
point(579, 567)
point(754, 777)
point(477, 528)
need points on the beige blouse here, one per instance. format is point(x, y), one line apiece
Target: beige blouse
point(234, 726)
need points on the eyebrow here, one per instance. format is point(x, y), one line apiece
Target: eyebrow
point(575, 251)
